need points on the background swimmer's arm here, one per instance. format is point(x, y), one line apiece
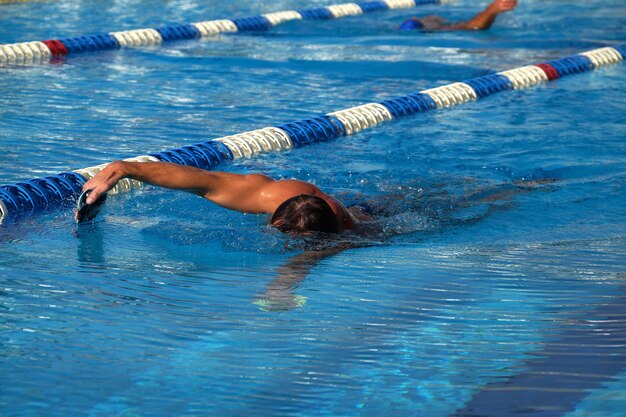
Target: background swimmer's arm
point(233, 191)
point(484, 19)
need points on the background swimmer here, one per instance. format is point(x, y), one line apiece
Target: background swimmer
point(481, 21)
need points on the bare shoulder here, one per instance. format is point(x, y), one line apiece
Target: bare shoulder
point(274, 192)
point(285, 189)
point(259, 179)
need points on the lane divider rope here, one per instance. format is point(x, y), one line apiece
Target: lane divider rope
point(28, 53)
point(28, 197)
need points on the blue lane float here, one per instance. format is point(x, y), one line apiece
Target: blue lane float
point(55, 191)
point(409, 104)
point(372, 6)
point(571, 65)
point(305, 132)
point(25, 53)
point(206, 155)
point(250, 24)
point(489, 84)
point(90, 43)
point(28, 197)
point(178, 33)
point(319, 13)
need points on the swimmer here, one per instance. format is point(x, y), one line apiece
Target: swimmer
point(296, 206)
point(482, 21)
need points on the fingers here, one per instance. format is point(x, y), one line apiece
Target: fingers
point(95, 193)
point(99, 184)
point(102, 182)
point(506, 5)
point(88, 184)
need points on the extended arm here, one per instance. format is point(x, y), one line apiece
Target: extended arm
point(481, 21)
point(244, 193)
point(485, 19)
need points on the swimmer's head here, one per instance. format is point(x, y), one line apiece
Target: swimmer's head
point(305, 213)
point(411, 24)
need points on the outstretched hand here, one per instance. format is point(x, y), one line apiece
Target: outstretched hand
point(500, 6)
point(103, 181)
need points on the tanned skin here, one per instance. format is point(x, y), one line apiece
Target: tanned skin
point(252, 193)
point(481, 21)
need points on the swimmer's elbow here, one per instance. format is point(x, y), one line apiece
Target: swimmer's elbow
point(472, 27)
point(457, 27)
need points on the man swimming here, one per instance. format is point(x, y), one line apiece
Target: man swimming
point(296, 206)
point(481, 21)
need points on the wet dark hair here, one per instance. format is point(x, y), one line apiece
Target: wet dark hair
point(305, 213)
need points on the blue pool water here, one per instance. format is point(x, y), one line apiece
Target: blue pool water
point(172, 306)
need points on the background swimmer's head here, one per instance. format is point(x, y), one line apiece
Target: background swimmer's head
point(411, 24)
point(305, 213)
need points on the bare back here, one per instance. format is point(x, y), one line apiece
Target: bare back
point(275, 192)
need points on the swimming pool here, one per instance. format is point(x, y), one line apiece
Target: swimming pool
point(501, 307)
